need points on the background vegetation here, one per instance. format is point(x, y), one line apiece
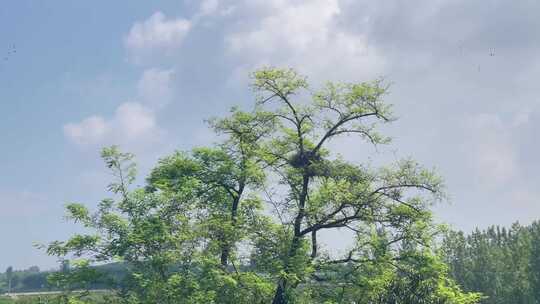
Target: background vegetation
point(502, 263)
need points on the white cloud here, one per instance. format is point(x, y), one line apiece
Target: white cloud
point(89, 131)
point(156, 34)
point(132, 124)
point(134, 120)
point(209, 7)
point(154, 87)
point(306, 35)
point(294, 27)
point(213, 8)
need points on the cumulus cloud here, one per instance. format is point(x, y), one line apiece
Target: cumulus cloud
point(156, 36)
point(132, 124)
point(90, 130)
point(307, 35)
point(209, 7)
point(212, 8)
point(134, 120)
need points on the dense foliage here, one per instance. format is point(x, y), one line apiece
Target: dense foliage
point(240, 222)
point(502, 263)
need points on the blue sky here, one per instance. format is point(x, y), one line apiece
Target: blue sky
point(145, 74)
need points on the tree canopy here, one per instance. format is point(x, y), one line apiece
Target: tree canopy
point(240, 221)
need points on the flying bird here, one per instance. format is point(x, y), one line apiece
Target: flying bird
point(12, 50)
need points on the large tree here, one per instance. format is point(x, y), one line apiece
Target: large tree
point(200, 231)
point(386, 209)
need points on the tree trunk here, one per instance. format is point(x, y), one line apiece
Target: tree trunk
point(279, 297)
point(225, 255)
point(226, 249)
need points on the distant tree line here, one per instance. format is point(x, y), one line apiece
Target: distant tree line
point(29, 279)
point(502, 263)
point(32, 279)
